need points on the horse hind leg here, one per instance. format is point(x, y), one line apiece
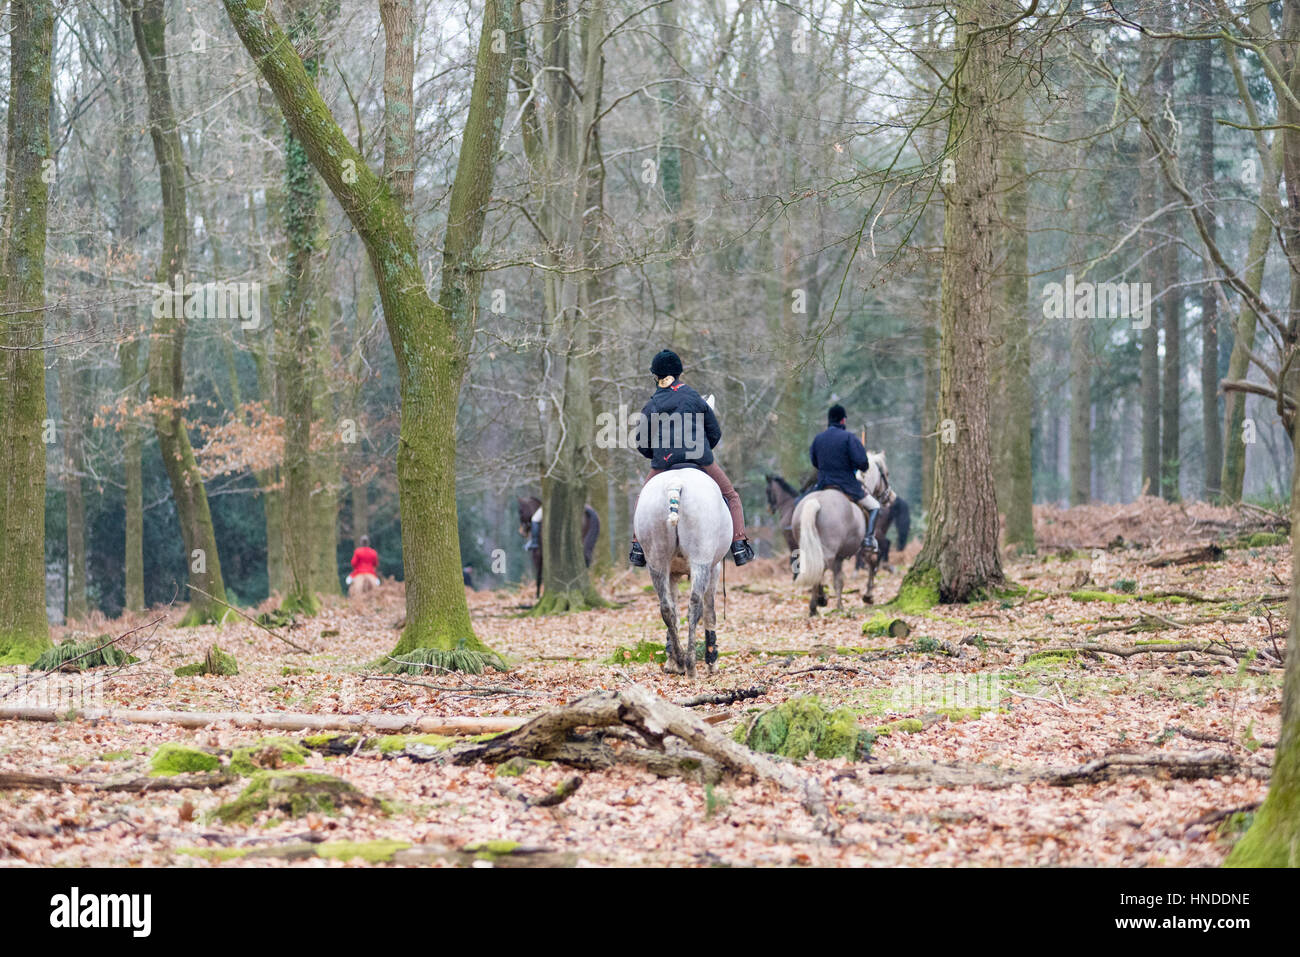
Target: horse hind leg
point(700, 582)
point(710, 623)
point(837, 576)
point(668, 611)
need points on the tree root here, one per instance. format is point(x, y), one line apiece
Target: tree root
point(552, 798)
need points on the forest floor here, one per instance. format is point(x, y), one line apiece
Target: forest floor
point(948, 787)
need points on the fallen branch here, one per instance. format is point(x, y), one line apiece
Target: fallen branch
point(1204, 764)
point(1209, 552)
point(550, 799)
point(279, 720)
point(547, 735)
point(723, 697)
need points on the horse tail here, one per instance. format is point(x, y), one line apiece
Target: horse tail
point(902, 521)
point(674, 504)
point(811, 560)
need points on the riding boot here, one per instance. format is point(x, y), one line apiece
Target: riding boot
point(534, 538)
point(869, 543)
point(742, 551)
point(637, 557)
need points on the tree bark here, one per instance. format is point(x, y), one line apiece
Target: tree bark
point(71, 388)
point(167, 341)
point(1150, 362)
point(128, 351)
point(298, 336)
point(1014, 453)
point(960, 553)
point(562, 169)
point(1211, 423)
point(24, 631)
point(1171, 312)
point(427, 344)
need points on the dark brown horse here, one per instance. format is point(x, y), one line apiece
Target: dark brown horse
point(590, 531)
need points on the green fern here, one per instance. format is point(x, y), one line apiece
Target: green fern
point(79, 655)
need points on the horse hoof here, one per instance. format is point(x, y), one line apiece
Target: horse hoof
point(713, 669)
point(868, 600)
point(672, 668)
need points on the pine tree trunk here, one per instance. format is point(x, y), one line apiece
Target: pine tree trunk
point(960, 559)
point(427, 344)
point(24, 631)
point(167, 342)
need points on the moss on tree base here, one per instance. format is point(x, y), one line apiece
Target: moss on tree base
point(21, 648)
point(562, 602)
point(919, 591)
point(1274, 836)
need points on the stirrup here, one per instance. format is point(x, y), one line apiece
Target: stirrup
point(869, 543)
point(636, 557)
point(741, 551)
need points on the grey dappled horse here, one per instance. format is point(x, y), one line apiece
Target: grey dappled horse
point(828, 528)
point(684, 528)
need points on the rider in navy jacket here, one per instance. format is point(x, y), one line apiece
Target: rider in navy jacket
point(836, 454)
point(675, 416)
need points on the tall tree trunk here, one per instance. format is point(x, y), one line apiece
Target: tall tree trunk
point(71, 402)
point(1211, 424)
point(128, 351)
point(562, 166)
point(1274, 836)
point(1149, 368)
point(959, 559)
point(427, 342)
point(1014, 454)
point(298, 341)
point(1171, 311)
point(167, 341)
point(24, 631)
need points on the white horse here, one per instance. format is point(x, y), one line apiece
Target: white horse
point(684, 527)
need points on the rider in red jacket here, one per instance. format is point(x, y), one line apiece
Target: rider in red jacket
point(365, 568)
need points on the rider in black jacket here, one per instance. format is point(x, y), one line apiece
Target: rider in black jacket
point(837, 453)
point(677, 415)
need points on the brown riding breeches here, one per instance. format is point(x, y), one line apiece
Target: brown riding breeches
point(729, 495)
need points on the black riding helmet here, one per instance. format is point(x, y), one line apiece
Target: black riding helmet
point(666, 363)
